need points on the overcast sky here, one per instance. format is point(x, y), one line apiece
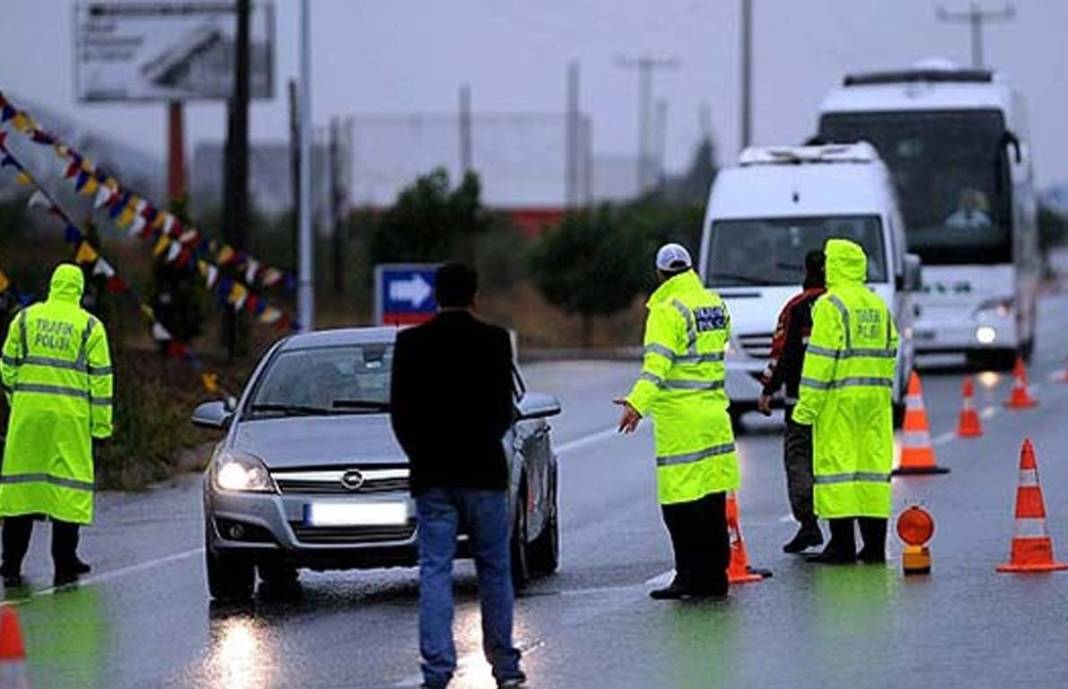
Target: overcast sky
point(410, 55)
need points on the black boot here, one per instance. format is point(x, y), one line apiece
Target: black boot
point(807, 536)
point(842, 548)
point(873, 533)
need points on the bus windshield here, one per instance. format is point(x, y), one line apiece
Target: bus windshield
point(771, 251)
point(951, 175)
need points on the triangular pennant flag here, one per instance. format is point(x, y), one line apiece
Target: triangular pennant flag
point(161, 245)
point(85, 254)
point(168, 222)
point(41, 137)
point(211, 275)
point(270, 315)
point(71, 235)
point(252, 304)
point(7, 160)
point(238, 295)
point(4, 282)
point(189, 237)
point(103, 194)
point(125, 218)
point(173, 251)
point(226, 254)
point(20, 121)
point(71, 169)
point(252, 267)
point(210, 381)
point(24, 178)
point(6, 113)
point(271, 277)
point(3, 137)
point(61, 150)
point(137, 225)
point(90, 187)
point(38, 200)
point(177, 350)
point(104, 268)
point(159, 333)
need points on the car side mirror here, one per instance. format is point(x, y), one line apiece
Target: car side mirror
point(536, 405)
point(1010, 140)
point(913, 277)
point(216, 415)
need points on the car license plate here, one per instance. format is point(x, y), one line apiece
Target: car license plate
point(924, 335)
point(356, 514)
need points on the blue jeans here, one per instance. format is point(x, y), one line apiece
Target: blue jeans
point(483, 515)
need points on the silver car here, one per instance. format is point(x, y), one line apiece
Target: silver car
point(310, 475)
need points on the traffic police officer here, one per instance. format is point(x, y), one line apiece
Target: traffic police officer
point(56, 374)
point(846, 385)
point(682, 386)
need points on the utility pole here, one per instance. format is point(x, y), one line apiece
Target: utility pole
point(646, 65)
point(340, 182)
point(235, 184)
point(466, 158)
point(660, 139)
point(571, 134)
point(305, 283)
point(746, 77)
point(294, 167)
point(976, 17)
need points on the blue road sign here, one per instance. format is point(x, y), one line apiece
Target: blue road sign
point(404, 293)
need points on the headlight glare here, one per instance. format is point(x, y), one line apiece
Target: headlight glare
point(242, 473)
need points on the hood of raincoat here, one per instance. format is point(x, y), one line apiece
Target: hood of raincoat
point(846, 263)
point(68, 283)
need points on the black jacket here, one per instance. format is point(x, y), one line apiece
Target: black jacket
point(789, 344)
point(452, 401)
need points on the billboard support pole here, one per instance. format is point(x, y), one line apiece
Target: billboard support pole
point(305, 286)
point(176, 189)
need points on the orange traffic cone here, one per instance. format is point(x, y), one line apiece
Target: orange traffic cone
point(1020, 398)
point(1063, 375)
point(13, 673)
point(739, 571)
point(1032, 548)
point(917, 453)
point(969, 426)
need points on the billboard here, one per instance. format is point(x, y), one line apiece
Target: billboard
point(167, 51)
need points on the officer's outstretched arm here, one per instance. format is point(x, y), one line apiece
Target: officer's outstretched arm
point(662, 331)
point(825, 344)
point(101, 386)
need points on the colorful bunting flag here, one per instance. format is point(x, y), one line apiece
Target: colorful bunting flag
point(85, 254)
point(38, 200)
point(161, 245)
point(71, 235)
point(159, 333)
point(4, 282)
point(173, 251)
point(24, 179)
point(103, 195)
point(238, 295)
point(104, 268)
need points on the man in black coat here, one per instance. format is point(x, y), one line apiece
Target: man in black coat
point(452, 401)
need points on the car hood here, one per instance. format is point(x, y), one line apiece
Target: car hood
point(309, 441)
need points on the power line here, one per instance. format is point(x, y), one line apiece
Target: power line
point(976, 17)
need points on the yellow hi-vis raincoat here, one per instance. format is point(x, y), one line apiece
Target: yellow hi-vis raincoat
point(682, 386)
point(56, 372)
point(846, 387)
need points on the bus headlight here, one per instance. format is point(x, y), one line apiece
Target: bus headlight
point(986, 334)
point(1001, 307)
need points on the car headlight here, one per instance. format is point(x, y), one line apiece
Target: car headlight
point(241, 472)
point(1001, 307)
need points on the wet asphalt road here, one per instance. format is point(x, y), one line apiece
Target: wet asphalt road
point(143, 618)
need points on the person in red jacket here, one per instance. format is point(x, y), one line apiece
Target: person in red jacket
point(784, 368)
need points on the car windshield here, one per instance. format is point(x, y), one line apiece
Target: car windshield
point(326, 380)
point(951, 175)
point(771, 251)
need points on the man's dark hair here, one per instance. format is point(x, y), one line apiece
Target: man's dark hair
point(814, 267)
point(455, 285)
point(668, 274)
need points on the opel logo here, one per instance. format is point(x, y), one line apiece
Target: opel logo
point(352, 480)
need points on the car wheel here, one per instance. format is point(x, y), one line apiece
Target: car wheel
point(520, 561)
point(231, 579)
point(545, 550)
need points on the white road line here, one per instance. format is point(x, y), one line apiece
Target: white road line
point(944, 438)
point(113, 574)
point(989, 412)
point(586, 440)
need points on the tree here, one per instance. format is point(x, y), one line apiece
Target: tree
point(591, 265)
point(430, 222)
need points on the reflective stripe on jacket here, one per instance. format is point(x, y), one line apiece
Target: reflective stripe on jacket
point(846, 389)
point(682, 387)
point(56, 371)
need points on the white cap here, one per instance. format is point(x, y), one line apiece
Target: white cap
point(672, 257)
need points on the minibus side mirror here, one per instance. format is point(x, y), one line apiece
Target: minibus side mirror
point(913, 273)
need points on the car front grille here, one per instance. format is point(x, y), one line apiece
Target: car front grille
point(340, 535)
point(329, 482)
point(757, 346)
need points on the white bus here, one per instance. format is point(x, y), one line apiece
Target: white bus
point(955, 141)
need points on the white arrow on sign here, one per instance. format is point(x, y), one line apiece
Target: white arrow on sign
point(415, 291)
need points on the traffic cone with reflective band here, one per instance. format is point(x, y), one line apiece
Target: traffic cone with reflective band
point(739, 571)
point(917, 453)
point(1062, 376)
point(1020, 398)
point(969, 426)
point(13, 673)
point(1032, 548)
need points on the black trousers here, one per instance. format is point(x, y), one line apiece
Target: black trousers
point(844, 538)
point(16, 541)
point(797, 456)
point(699, 538)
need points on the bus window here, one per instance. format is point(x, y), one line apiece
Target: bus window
point(951, 174)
